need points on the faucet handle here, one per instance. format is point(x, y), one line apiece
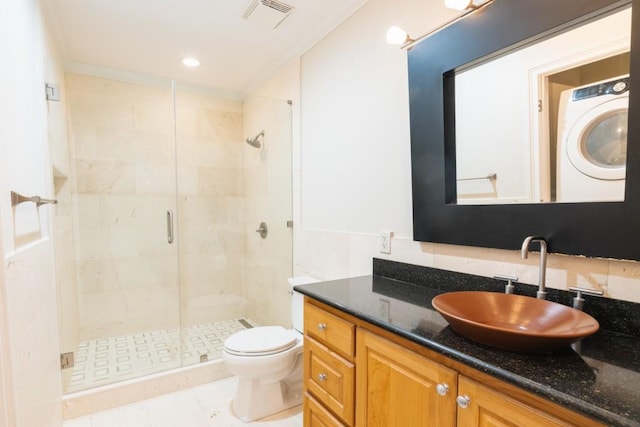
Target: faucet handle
point(578, 301)
point(508, 288)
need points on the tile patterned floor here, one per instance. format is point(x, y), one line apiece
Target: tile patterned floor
point(207, 405)
point(104, 361)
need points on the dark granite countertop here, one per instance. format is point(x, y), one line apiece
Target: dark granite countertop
point(599, 379)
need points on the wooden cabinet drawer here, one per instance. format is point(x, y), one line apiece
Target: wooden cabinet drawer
point(330, 330)
point(315, 415)
point(330, 378)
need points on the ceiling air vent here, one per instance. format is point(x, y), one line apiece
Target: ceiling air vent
point(267, 13)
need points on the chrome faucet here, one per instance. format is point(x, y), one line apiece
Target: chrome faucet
point(524, 252)
point(578, 301)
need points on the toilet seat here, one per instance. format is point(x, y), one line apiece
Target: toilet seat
point(261, 341)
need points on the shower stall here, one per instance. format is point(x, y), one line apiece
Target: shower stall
point(159, 198)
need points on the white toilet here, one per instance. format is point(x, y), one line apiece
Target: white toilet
point(268, 363)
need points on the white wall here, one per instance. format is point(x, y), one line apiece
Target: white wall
point(28, 295)
point(355, 130)
point(7, 406)
point(355, 164)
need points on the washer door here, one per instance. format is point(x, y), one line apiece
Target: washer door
point(597, 142)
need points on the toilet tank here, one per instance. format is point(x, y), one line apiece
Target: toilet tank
point(297, 300)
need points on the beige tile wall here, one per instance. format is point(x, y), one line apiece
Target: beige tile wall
point(34, 337)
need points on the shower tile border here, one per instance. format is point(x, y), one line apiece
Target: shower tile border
point(110, 396)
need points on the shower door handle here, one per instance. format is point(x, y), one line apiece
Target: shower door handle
point(170, 226)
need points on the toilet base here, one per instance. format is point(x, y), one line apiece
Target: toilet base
point(255, 399)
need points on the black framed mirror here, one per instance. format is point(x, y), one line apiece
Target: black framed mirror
point(596, 229)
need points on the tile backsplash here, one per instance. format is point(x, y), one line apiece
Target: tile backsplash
point(333, 255)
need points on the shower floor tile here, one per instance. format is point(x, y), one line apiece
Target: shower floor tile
point(107, 360)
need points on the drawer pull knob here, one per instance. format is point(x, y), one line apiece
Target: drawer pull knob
point(463, 401)
point(442, 389)
point(322, 326)
point(322, 377)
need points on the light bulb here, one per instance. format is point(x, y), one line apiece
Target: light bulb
point(396, 35)
point(458, 4)
point(190, 62)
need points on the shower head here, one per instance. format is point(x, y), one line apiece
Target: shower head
point(255, 141)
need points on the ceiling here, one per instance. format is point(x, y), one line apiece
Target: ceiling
point(152, 36)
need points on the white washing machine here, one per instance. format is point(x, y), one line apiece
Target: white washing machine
point(592, 142)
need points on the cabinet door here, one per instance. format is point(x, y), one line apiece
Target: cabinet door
point(396, 387)
point(488, 408)
point(315, 415)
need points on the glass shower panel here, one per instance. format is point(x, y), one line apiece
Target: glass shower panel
point(267, 172)
point(211, 220)
point(118, 277)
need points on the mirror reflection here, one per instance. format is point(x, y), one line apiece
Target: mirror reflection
point(548, 122)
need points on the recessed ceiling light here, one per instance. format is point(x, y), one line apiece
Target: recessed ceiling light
point(191, 62)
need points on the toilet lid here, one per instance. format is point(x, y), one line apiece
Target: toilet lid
point(260, 341)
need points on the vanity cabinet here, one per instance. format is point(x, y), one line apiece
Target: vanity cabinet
point(370, 377)
point(397, 387)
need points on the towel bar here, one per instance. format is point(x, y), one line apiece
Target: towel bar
point(490, 177)
point(17, 198)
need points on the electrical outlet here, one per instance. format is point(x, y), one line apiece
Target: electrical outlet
point(385, 242)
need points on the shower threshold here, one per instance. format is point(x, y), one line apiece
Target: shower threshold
point(107, 360)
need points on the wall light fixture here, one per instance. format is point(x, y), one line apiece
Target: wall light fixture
point(460, 4)
point(398, 36)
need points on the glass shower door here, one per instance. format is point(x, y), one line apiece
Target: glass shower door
point(231, 277)
point(117, 265)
